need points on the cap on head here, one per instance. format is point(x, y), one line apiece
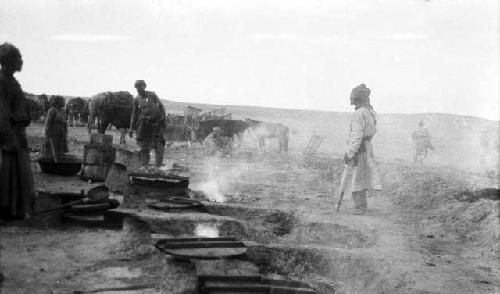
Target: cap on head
point(217, 129)
point(139, 83)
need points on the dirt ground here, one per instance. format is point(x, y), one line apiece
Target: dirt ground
point(428, 231)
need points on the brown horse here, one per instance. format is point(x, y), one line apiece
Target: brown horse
point(264, 130)
point(76, 112)
point(110, 108)
point(43, 104)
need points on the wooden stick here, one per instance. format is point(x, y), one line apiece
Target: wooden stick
point(340, 200)
point(53, 148)
point(89, 197)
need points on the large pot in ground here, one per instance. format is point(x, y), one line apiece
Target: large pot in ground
point(67, 165)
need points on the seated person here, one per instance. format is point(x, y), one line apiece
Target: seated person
point(216, 144)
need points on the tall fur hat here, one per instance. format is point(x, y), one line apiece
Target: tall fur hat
point(360, 92)
point(8, 53)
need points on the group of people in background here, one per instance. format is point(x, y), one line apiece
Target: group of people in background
point(148, 120)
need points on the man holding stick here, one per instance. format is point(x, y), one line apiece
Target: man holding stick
point(359, 172)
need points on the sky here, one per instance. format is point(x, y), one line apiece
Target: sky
point(415, 55)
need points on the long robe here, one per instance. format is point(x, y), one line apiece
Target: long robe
point(363, 175)
point(56, 130)
point(16, 178)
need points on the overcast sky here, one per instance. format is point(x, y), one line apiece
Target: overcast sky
point(415, 55)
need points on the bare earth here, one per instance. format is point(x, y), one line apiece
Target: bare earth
point(424, 233)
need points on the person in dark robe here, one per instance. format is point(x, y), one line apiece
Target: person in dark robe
point(149, 119)
point(56, 130)
point(16, 178)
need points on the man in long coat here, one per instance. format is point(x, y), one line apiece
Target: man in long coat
point(149, 119)
point(359, 172)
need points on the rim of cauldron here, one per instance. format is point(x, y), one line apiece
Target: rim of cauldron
point(68, 166)
point(65, 159)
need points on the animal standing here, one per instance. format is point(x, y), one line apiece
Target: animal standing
point(76, 112)
point(264, 130)
point(43, 104)
point(34, 109)
point(110, 108)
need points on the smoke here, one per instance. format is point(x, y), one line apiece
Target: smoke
point(212, 190)
point(222, 175)
point(206, 230)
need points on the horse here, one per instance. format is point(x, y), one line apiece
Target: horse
point(34, 109)
point(76, 112)
point(264, 130)
point(43, 104)
point(110, 108)
point(421, 150)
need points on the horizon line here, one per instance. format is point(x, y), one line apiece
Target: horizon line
point(287, 108)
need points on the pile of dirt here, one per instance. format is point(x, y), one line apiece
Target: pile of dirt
point(450, 208)
point(331, 168)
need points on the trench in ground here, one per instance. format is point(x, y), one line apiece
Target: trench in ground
point(279, 244)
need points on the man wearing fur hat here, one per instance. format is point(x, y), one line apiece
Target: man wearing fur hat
point(359, 172)
point(149, 119)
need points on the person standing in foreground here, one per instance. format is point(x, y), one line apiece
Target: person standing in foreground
point(359, 172)
point(16, 178)
point(149, 119)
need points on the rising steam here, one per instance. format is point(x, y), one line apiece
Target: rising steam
point(206, 230)
point(221, 178)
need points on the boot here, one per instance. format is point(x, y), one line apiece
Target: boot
point(144, 156)
point(356, 199)
point(360, 203)
point(159, 151)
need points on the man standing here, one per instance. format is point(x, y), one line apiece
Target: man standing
point(149, 119)
point(359, 172)
point(422, 139)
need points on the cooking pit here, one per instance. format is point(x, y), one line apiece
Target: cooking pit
point(244, 240)
point(276, 243)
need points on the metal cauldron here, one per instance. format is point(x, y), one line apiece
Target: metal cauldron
point(67, 165)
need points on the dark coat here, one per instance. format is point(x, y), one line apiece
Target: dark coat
point(16, 178)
